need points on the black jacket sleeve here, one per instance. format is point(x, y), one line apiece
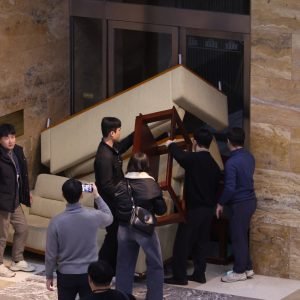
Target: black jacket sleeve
point(25, 190)
point(181, 156)
point(126, 143)
point(105, 176)
point(159, 206)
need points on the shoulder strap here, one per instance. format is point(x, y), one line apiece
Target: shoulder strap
point(129, 190)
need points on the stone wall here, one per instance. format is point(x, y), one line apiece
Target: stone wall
point(34, 59)
point(275, 136)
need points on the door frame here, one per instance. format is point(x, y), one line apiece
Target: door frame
point(224, 25)
point(113, 24)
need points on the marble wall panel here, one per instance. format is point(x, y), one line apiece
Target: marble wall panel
point(276, 234)
point(269, 246)
point(57, 101)
point(276, 90)
point(280, 115)
point(34, 57)
point(275, 136)
point(277, 190)
point(271, 146)
point(276, 15)
point(280, 217)
point(296, 57)
point(295, 134)
point(294, 253)
point(295, 157)
point(271, 54)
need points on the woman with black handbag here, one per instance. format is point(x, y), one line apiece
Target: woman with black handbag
point(139, 194)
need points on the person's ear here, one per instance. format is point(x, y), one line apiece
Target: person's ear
point(229, 144)
point(194, 145)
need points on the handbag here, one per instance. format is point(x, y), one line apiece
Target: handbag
point(141, 219)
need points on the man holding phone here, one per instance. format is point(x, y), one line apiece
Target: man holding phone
point(71, 243)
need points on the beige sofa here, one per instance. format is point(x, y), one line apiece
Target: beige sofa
point(176, 86)
point(48, 201)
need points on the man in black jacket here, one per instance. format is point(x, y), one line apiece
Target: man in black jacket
point(108, 172)
point(14, 190)
point(202, 175)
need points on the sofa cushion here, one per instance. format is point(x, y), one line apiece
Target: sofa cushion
point(47, 208)
point(49, 186)
point(37, 222)
point(85, 167)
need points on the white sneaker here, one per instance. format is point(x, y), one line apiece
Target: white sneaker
point(250, 273)
point(6, 272)
point(22, 266)
point(233, 277)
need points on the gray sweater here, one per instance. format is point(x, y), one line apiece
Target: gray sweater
point(72, 238)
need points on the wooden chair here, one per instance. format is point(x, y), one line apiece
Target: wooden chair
point(144, 141)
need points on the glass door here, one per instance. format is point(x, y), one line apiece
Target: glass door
point(138, 51)
point(222, 60)
point(88, 78)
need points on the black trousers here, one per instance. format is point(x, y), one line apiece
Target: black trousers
point(109, 249)
point(240, 218)
point(69, 285)
point(192, 237)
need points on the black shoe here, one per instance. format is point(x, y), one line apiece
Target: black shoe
point(175, 281)
point(200, 279)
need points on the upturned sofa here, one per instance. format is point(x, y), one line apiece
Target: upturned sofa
point(47, 201)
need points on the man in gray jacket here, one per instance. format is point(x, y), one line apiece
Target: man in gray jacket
point(72, 242)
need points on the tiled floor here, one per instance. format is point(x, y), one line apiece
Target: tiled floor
point(260, 287)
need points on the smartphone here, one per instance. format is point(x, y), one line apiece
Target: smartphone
point(87, 187)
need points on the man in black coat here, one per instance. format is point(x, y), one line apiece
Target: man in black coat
point(108, 172)
point(202, 175)
point(14, 190)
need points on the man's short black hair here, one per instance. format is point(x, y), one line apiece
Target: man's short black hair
point(100, 272)
point(72, 190)
point(6, 130)
point(236, 136)
point(109, 124)
point(203, 137)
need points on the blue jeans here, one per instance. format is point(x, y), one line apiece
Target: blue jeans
point(129, 242)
